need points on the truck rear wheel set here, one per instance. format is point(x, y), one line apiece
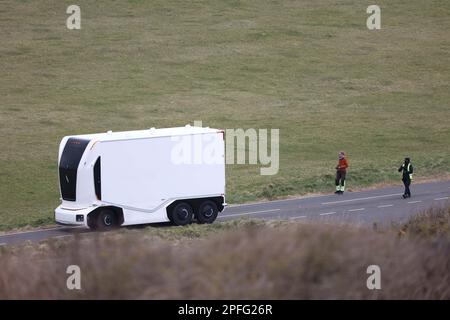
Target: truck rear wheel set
point(182, 213)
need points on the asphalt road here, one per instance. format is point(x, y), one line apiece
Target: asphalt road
point(381, 206)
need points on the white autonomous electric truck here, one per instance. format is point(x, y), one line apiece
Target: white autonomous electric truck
point(136, 177)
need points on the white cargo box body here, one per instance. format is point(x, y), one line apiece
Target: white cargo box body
point(141, 175)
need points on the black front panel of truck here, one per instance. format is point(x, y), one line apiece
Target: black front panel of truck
point(68, 167)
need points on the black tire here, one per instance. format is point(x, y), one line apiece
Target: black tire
point(106, 220)
point(181, 214)
point(92, 221)
point(207, 212)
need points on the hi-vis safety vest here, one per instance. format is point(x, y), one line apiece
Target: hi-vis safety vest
point(408, 169)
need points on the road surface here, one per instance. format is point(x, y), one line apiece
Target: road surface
point(381, 206)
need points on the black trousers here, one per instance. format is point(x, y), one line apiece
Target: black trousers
point(407, 183)
point(340, 178)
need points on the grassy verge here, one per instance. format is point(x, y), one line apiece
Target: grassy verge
point(433, 223)
point(247, 259)
point(311, 69)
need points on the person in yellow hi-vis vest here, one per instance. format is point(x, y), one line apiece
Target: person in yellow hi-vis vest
point(407, 170)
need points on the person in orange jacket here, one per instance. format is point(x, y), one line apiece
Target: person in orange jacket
point(341, 172)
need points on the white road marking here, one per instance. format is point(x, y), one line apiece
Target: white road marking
point(299, 217)
point(280, 200)
point(386, 206)
point(326, 213)
point(63, 236)
point(366, 198)
point(3, 244)
point(417, 201)
point(444, 198)
point(359, 209)
point(246, 213)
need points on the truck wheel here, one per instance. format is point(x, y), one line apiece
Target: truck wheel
point(207, 212)
point(181, 214)
point(106, 220)
point(92, 221)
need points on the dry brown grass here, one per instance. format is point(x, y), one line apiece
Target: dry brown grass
point(245, 261)
point(433, 223)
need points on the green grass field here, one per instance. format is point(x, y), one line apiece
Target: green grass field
point(309, 68)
